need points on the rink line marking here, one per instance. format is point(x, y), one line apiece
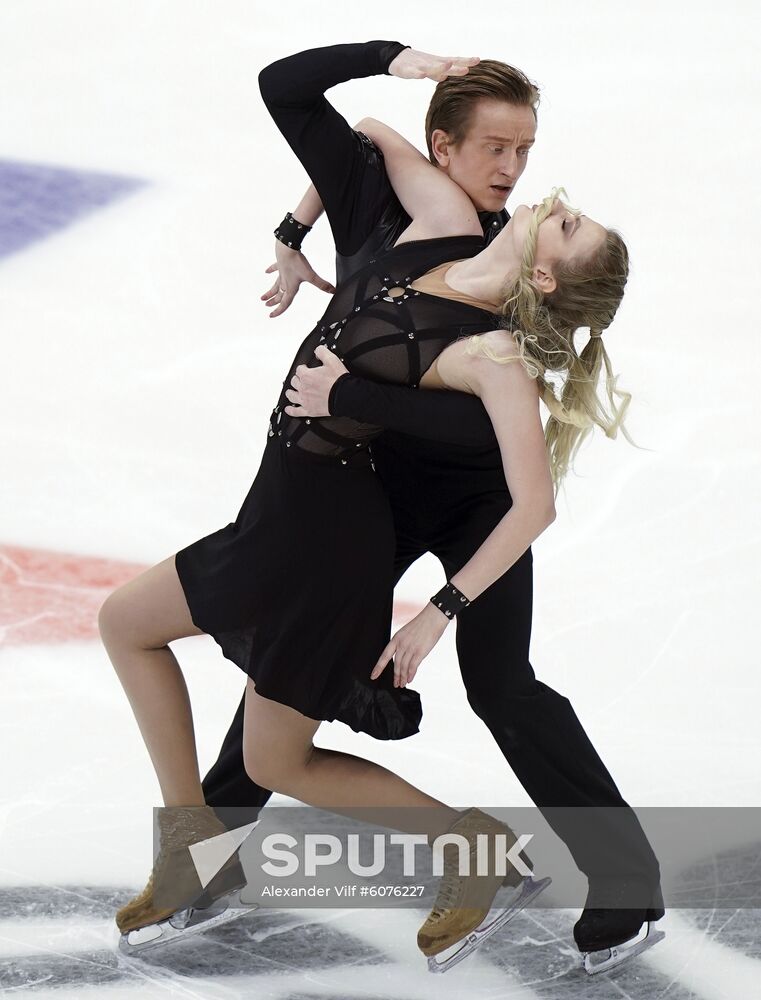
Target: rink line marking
point(41, 200)
point(53, 597)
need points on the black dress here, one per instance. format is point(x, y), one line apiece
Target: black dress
point(298, 589)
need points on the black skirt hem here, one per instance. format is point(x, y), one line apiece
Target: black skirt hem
point(364, 708)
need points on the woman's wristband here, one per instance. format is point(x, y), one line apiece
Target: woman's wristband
point(450, 600)
point(291, 232)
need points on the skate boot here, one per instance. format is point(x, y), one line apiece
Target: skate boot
point(607, 934)
point(174, 901)
point(460, 920)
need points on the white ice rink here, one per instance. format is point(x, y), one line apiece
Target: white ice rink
point(140, 181)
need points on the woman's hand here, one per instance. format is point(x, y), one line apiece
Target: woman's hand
point(311, 386)
point(293, 268)
point(413, 65)
point(411, 644)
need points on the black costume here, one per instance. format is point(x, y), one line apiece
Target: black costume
point(442, 471)
point(298, 589)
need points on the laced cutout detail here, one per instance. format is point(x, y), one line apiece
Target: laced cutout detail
point(382, 329)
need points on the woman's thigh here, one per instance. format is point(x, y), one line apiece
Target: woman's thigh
point(149, 611)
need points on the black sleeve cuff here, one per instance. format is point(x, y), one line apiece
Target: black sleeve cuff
point(389, 52)
point(333, 405)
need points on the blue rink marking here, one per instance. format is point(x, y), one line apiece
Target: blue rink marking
point(37, 201)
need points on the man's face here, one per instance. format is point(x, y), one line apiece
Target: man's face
point(493, 154)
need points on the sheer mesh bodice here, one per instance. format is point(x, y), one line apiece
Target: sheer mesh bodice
point(382, 329)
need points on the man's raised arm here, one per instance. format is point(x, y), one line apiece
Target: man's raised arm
point(293, 90)
point(335, 157)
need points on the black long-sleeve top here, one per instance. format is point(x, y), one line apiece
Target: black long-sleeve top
point(366, 217)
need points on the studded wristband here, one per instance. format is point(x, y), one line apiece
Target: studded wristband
point(450, 600)
point(291, 233)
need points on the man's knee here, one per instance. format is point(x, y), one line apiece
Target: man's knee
point(491, 706)
point(498, 687)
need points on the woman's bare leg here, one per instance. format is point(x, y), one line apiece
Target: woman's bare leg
point(136, 622)
point(278, 753)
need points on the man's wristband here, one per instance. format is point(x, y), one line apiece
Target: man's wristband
point(291, 232)
point(450, 600)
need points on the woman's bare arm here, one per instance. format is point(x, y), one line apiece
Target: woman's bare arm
point(437, 206)
point(511, 398)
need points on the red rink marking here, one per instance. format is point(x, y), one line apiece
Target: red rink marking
point(53, 597)
point(48, 597)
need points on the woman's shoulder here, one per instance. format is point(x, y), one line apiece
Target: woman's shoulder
point(461, 365)
point(489, 362)
point(497, 341)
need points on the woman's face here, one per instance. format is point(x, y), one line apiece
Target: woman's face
point(563, 235)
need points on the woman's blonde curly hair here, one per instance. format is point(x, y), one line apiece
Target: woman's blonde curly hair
point(588, 293)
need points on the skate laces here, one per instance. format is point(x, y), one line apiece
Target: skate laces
point(449, 890)
point(470, 824)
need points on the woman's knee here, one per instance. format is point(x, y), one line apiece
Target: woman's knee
point(148, 611)
point(112, 616)
point(272, 767)
point(258, 771)
point(277, 742)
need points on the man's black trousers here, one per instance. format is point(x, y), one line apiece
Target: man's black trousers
point(449, 511)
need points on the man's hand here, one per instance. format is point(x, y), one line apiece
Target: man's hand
point(413, 65)
point(311, 386)
point(411, 644)
point(293, 268)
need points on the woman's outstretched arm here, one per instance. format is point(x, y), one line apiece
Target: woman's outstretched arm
point(511, 398)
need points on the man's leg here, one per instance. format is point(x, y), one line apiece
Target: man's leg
point(227, 783)
point(536, 728)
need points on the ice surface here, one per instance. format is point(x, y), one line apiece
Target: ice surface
point(137, 372)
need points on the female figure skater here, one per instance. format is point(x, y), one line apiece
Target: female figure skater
point(297, 590)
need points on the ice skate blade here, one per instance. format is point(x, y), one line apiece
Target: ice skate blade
point(184, 924)
point(520, 897)
point(621, 953)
